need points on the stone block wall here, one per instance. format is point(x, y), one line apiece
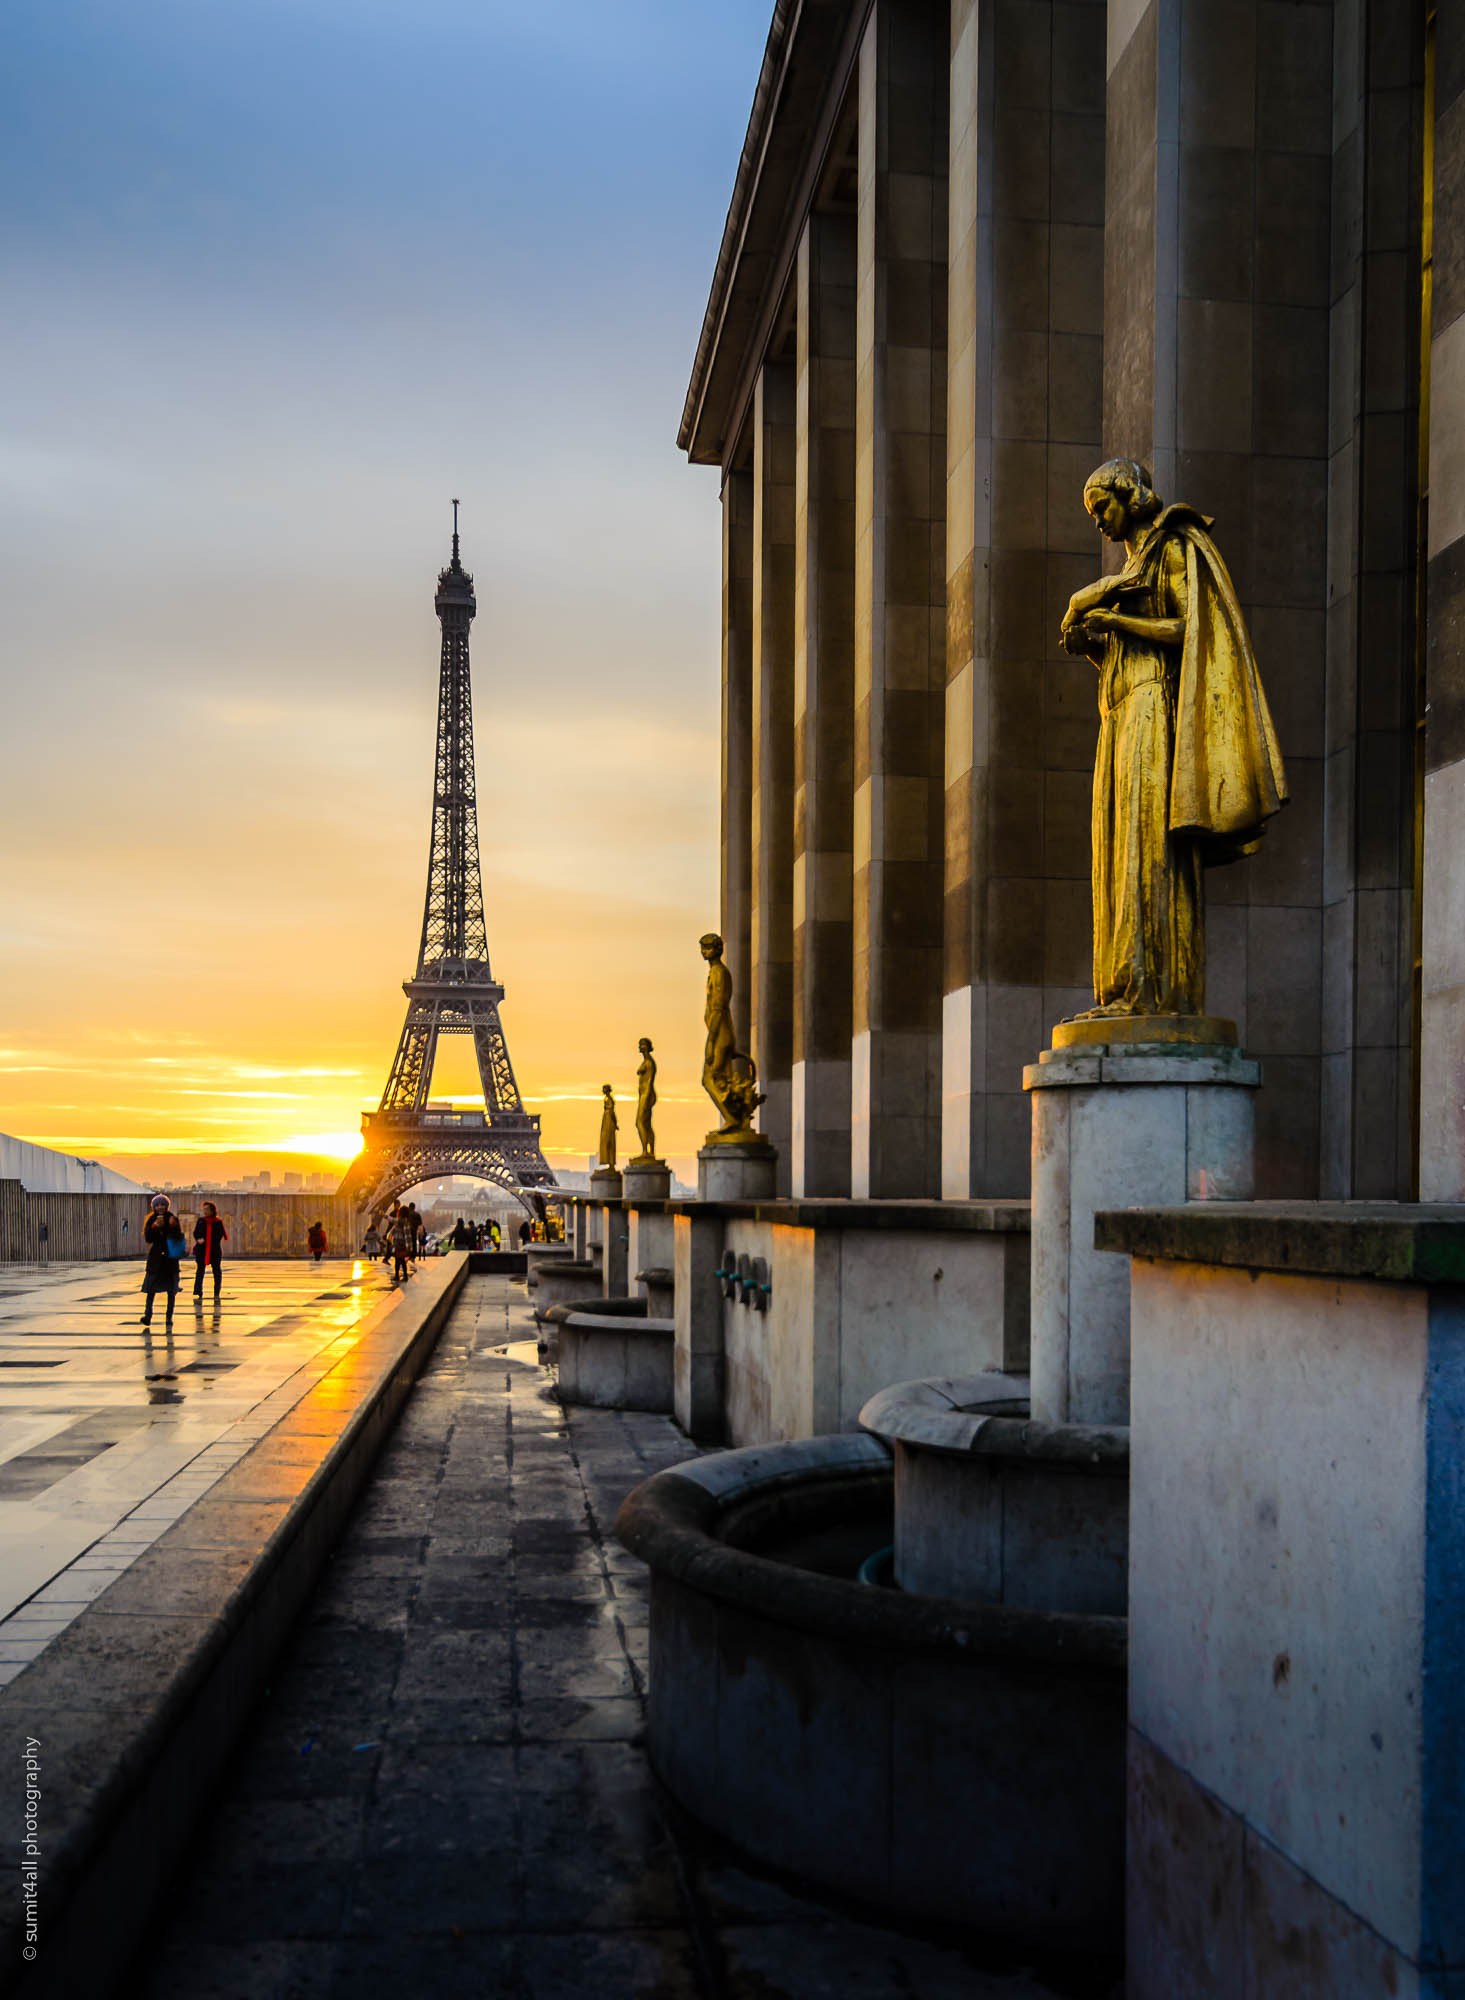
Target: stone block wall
point(1039, 233)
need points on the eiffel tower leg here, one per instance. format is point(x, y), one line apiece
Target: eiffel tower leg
point(496, 1072)
point(411, 1073)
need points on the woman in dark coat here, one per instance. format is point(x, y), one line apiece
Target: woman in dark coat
point(209, 1238)
point(160, 1274)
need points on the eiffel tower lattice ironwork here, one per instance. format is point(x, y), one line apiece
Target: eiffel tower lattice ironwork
point(453, 992)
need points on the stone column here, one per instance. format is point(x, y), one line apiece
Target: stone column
point(647, 1186)
point(1367, 729)
point(1024, 371)
point(605, 1192)
point(900, 618)
point(737, 731)
point(1442, 1008)
point(1216, 290)
point(770, 978)
point(580, 1213)
point(824, 611)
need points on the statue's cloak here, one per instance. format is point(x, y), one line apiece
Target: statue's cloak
point(1226, 775)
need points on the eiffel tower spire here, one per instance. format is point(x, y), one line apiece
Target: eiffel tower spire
point(453, 990)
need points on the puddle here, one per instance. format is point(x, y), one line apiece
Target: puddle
point(526, 1351)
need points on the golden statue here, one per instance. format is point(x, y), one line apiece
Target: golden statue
point(645, 1105)
point(729, 1077)
point(608, 1122)
point(1188, 770)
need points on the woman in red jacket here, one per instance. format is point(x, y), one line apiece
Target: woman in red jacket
point(209, 1238)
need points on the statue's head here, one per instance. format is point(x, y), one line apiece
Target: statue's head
point(1121, 496)
point(644, 1045)
point(606, 1091)
point(710, 946)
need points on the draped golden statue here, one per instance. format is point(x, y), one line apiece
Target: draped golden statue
point(1188, 770)
point(608, 1125)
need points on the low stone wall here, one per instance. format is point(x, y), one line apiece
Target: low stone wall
point(75, 1228)
point(1297, 1618)
point(841, 1298)
point(620, 1362)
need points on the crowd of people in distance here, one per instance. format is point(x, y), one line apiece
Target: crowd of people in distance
point(466, 1235)
point(400, 1239)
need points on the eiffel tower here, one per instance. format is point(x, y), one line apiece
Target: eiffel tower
point(453, 992)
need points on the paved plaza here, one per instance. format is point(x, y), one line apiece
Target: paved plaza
point(109, 1431)
point(445, 1790)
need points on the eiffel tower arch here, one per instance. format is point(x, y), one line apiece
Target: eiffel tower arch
point(408, 1138)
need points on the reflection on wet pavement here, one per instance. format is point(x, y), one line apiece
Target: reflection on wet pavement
point(109, 1430)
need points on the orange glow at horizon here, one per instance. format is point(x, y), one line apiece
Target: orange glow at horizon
point(265, 1024)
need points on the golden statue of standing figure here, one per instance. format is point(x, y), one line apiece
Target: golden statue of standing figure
point(729, 1076)
point(645, 1105)
point(1187, 771)
point(608, 1124)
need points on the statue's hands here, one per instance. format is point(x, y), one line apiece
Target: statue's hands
point(1100, 621)
point(1080, 636)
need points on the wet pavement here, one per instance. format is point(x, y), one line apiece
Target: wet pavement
point(109, 1430)
point(445, 1791)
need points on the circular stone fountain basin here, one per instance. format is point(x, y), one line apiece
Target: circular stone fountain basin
point(944, 1760)
point(617, 1361)
point(989, 1504)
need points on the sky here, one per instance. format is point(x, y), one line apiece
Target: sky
point(281, 279)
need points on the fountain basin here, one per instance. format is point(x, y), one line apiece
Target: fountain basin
point(620, 1361)
point(989, 1504)
point(659, 1284)
point(928, 1755)
point(573, 1281)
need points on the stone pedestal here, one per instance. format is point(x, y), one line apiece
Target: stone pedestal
point(605, 1192)
point(650, 1229)
point(699, 1363)
point(737, 1172)
point(646, 1180)
point(1119, 1124)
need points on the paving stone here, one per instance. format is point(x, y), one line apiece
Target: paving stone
point(446, 1791)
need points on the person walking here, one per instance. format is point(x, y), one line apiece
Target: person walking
point(166, 1243)
point(372, 1243)
point(315, 1238)
point(209, 1238)
point(403, 1239)
point(495, 1236)
point(525, 1232)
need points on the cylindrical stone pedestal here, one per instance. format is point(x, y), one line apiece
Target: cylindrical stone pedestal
point(737, 1172)
point(646, 1180)
point(1123, 1125)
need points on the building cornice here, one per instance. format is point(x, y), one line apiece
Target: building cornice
point(805, 65)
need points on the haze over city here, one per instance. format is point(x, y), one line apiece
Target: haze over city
point(282, 279)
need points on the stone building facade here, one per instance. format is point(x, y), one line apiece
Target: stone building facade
point(974, 248)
